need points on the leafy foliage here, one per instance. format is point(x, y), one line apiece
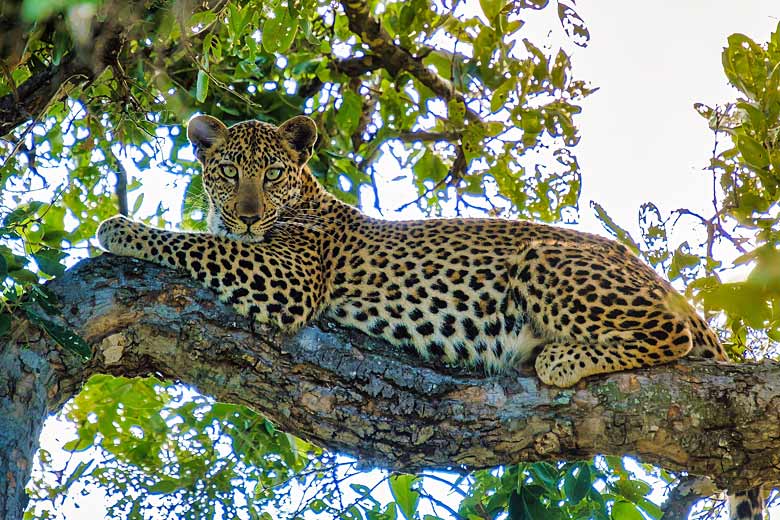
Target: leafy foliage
point(482, 121)
point(741, 239)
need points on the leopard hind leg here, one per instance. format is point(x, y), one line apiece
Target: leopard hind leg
point(563, 363)
point(746, 505)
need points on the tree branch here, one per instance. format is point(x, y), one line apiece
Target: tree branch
point(395, 59)
point(121, 185)
point(34, 95)
point(76, 69)
point(356, 395)
point(346, 391)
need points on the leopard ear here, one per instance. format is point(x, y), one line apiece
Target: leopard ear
point(300, 133)
point(206, 132)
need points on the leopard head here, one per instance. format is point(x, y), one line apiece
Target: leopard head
point(252, 171)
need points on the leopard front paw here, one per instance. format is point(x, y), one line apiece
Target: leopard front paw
point(112, 232)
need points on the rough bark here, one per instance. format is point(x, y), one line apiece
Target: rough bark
point(24, 374)
point(352, 394)
point(32, 370)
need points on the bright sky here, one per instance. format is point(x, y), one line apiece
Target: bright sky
point(641, 139)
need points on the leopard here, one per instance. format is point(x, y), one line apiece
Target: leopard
point(490, 292)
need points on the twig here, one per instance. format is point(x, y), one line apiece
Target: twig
point(121, 186)
point(395, 59)
point(423, 136)
point(433, 500)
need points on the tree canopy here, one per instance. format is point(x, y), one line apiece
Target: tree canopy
point(479, 120)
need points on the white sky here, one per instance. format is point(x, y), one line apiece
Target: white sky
point(641, 139)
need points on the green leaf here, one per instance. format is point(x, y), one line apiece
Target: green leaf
point(61, 46)
point(560, 69)
point(318, 506)
point(348, 114)
point(743, 62)
point(536, 5)
point(623, 510)
point(491, 8)
point(404, 495)
point(139, 200)
point(500, 95)
point(23, 276)
point(573, 25)
point(48, 301)
point(650, 508)
point(80, 469)
point(202, 86)
point(279, 30)
point(3, 268)
point(546, 474)
point(577, 482)
point(525, 505)
point(34, 10)
point(21, 213)
point(48, 261)
point(457, 112)
point(610, 225)
point(634, 490)
point(64, 336)
point(202, 18)
point(753, 152)
point(472, 140)
point(164, 487)
point(78, 444)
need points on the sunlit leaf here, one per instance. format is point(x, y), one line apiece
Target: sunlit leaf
point(404, 495)
point(622, 510)
point(202, 86)
point(279, 30)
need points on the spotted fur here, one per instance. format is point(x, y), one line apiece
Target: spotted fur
point(746, 505)
point(493, 292)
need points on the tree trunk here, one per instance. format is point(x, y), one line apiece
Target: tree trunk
point(24, 378)
point(356, 395)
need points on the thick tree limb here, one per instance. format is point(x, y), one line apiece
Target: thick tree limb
point(352, 394)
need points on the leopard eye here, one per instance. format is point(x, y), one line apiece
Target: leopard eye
point(228, 171)
point(273, 174)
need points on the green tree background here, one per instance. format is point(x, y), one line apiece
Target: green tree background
point(482, 121)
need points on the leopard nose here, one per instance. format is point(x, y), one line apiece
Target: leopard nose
point(249, 220)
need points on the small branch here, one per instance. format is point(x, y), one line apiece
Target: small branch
point(456, 173)
point(34, 95)
point(355, 66)
point(440, 184)
point(395, 59)
point(422, 136)
point(121, 186)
